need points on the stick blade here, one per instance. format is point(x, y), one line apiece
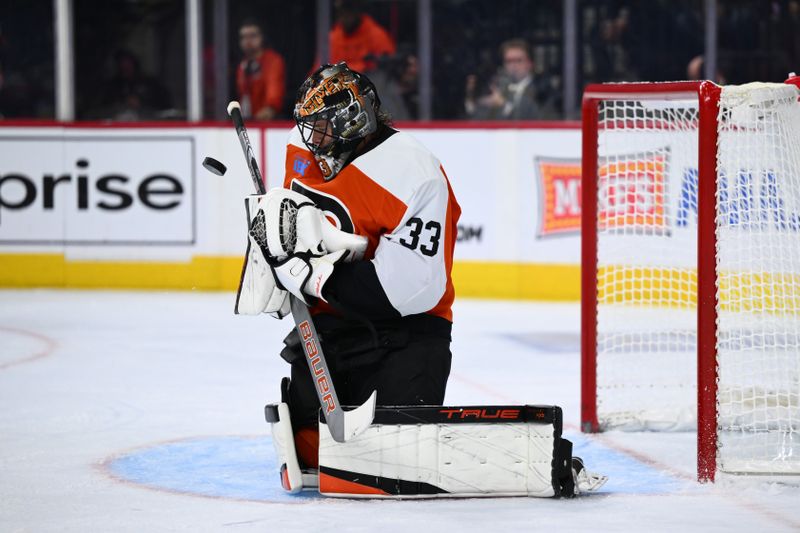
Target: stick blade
point(346, 425)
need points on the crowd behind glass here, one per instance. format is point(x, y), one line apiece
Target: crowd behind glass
point(490, 60)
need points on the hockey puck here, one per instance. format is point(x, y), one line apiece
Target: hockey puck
point(214, 166)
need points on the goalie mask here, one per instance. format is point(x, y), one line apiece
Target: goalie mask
point(335, 109)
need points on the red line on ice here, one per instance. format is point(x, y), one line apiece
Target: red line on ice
point(49, 346)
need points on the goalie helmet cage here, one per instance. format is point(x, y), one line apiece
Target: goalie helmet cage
point(691, 260)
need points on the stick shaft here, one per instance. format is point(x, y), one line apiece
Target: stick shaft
point(247, 148)
point(312, 349)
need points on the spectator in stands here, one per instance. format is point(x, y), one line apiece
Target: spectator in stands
point(130, 94)
point(609, 40)
point(396, 80)
point(783, 41)
point(695, 70)
point(16, 96)
point(26, 63)
point(793, 37)
point(356, 38)
point(261, 76)
point(514, 93)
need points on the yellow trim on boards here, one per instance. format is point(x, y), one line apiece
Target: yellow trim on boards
point(517, 281)
point(476, 279)
point(617, 285)
point(53, 270)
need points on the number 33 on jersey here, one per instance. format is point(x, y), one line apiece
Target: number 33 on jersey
point(398, 196)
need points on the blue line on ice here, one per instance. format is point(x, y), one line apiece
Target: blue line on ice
point(245, 468)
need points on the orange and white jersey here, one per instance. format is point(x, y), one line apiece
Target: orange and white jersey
point(396, 194)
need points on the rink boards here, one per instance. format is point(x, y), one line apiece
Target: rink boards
point(130, 206)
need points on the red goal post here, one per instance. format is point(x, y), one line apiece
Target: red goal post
point(683, 120)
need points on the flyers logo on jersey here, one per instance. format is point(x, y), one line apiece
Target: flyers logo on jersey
point(333, 208)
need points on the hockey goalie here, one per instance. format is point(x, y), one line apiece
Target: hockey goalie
point(363, 233)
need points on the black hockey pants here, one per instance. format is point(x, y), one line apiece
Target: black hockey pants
point(407, 361)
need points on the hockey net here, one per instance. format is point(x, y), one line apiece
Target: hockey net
point(654, 155)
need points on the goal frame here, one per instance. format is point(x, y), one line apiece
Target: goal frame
point(707, 94)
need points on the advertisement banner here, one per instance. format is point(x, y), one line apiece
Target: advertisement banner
point(559, 182)
point(98, 190)
point(632, 192)
point(122, 206)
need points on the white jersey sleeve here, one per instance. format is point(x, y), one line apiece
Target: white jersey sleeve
point(410, 261)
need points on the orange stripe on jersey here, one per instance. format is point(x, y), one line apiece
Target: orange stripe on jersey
point(444, 307)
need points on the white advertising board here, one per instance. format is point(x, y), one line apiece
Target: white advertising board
point(98, 190)
point(121, 194)
point(496, 178)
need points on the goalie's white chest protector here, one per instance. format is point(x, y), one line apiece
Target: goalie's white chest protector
point(398, 196)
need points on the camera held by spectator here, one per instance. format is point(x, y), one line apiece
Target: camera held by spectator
point(514, 93)
point(130, 94)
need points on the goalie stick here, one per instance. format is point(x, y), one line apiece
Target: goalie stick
point(342, 424)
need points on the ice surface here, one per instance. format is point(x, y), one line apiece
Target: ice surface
point(143, 411)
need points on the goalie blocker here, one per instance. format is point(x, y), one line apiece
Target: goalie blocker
point(433, 452)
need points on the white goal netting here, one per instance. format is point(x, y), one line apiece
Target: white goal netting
point(646, 264)
point(647, 277)
point(758, 279)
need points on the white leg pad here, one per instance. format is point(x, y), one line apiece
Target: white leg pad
point(443, 459)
